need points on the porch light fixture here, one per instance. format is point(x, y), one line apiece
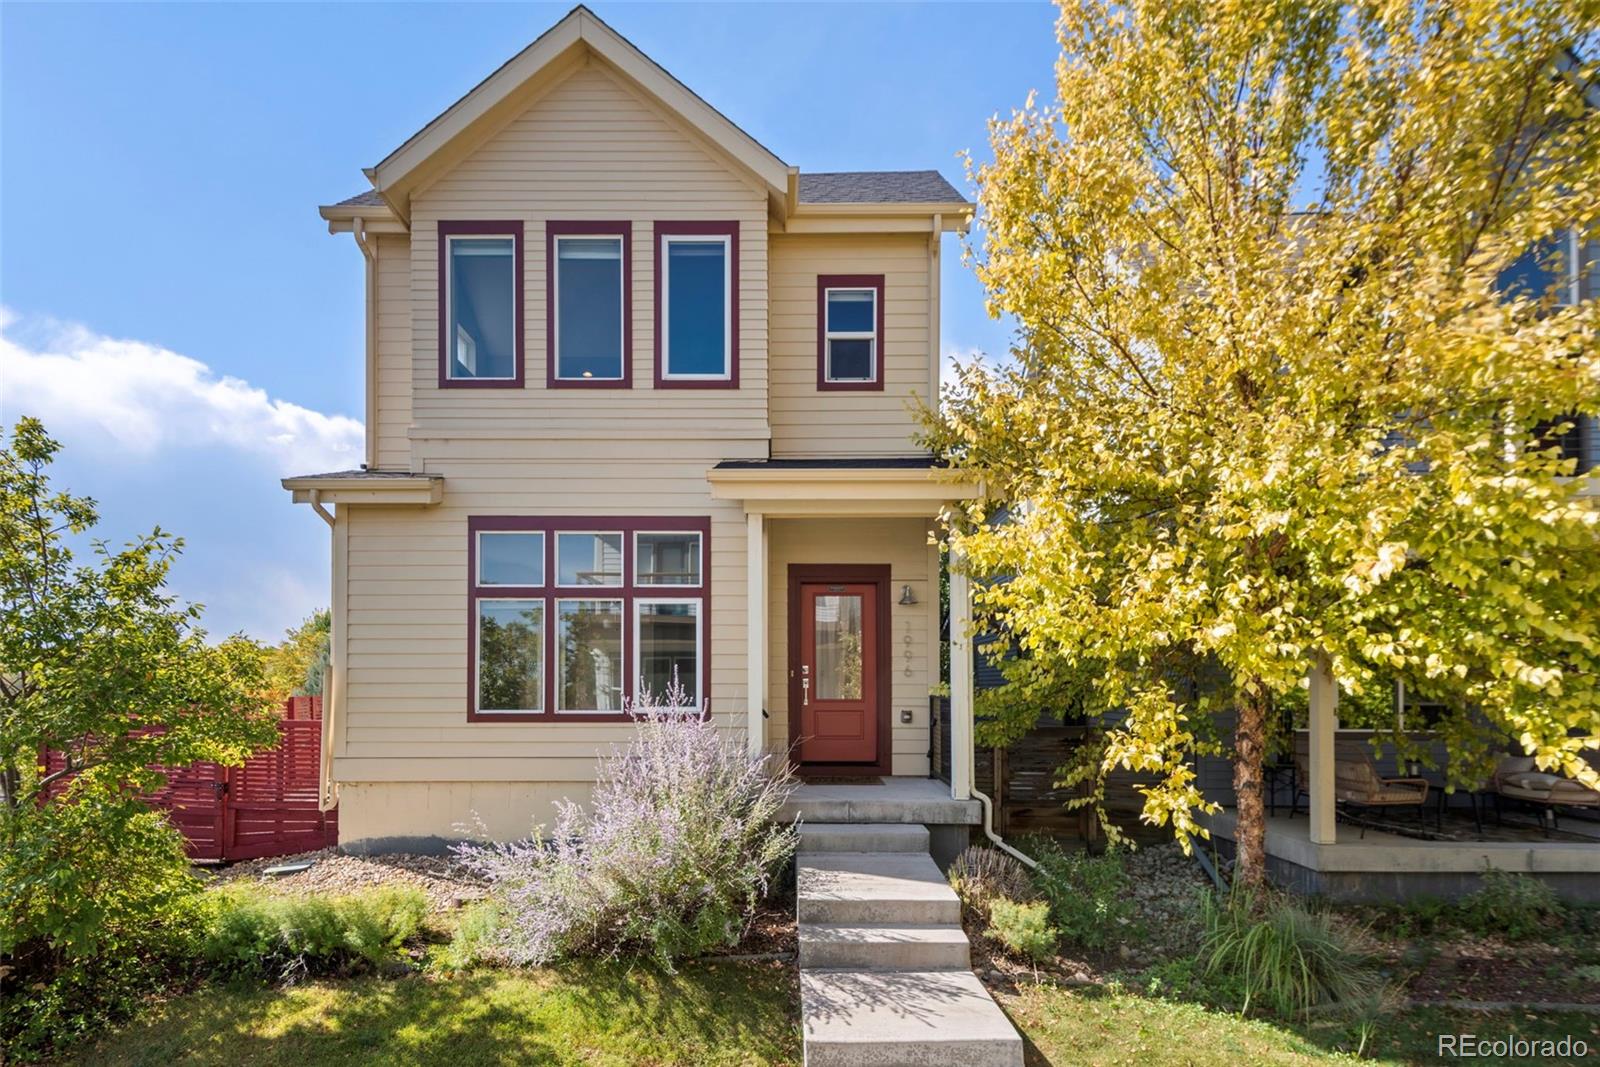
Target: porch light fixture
point(907, 596)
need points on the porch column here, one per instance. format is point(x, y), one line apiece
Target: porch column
point(1324, 721)
point(755, 630)
point(961, 754)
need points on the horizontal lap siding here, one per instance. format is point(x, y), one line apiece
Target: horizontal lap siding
point(903, 545)
point(406, 699)
point(592, 149)
point(809, 422)
point(395, 352)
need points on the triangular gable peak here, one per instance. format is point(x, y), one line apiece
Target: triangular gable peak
point(502, 96)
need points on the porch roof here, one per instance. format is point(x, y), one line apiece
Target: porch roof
point(879, 486)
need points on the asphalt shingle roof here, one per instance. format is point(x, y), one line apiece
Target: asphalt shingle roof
point(370, 198)
point(877, 187)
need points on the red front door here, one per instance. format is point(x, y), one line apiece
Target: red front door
point(834, 681)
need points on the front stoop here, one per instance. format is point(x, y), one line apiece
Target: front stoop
point(885, 968)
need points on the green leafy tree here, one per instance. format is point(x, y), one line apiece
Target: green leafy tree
point(1239, 438)
point(99, 665)
point(299, 663)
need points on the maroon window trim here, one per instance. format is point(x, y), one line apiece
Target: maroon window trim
point(567, 228)
point(477, 227)
point(729, 230)
point(847, 281)
point(628, 592)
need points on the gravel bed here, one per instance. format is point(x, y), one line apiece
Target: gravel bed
point(447, 884)
point(1166, 887)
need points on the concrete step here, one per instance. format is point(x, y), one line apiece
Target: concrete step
point(852, 888)
point(878, 1018)
point(900, 800)
point(885, 947)
point(863, 837)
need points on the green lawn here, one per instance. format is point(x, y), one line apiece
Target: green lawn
point(707, 1014)
point(1094, 1027)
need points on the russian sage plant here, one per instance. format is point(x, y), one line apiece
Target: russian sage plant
point(680, 843)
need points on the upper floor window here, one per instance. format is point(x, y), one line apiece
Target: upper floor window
point(588, 279)
point(576, 617)
point(480, 314)
point(850, 331)
point(697, 302)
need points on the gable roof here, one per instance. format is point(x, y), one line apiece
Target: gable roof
point(550, 57)
point(877, 187)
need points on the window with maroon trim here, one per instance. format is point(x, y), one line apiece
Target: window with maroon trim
point(697, 305)
point(480, 305)
point(588, 304)
point(574, 617)
point(849, 331)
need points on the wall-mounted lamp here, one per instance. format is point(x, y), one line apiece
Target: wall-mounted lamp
point(907, 596)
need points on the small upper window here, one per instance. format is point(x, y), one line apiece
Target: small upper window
point(695, 316)
point(852, 335)
point(850, 332)
point(482, 309)
point(589, 308)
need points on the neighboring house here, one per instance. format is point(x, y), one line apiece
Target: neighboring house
point(640, 403)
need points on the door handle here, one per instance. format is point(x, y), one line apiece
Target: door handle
point(805, 686)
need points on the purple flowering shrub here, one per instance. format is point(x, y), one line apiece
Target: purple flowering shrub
point(679, 845)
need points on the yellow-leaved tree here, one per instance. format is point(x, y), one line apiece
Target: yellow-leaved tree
point(1303, 310)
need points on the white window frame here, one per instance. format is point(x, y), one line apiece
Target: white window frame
point(829, 336)
point(622, 307)
point(622, 559)
point(699, 643)
point(481, 583)
point(450, 306)
point(622, 653)
point(699, 559)
point(667, 240)
point(477, 651)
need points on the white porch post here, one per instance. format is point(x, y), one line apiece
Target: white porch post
point(1324, 721)
point(756, 630)
point(961, 696)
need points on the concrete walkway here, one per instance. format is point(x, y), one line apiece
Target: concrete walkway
point(885, 968)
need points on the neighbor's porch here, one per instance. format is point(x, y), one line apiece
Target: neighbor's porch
point(1319, 840)
point(843, 613)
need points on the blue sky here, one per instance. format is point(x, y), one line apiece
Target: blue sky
point(179, 315)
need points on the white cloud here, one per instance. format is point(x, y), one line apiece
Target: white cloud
point(143, 399)
point(966, 356)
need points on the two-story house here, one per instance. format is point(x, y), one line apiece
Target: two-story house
point(640, 405)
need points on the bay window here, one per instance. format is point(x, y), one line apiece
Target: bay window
point(581, 617)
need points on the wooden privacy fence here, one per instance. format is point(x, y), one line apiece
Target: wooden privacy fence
point(267, 807)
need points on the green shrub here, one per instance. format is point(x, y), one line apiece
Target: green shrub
point(281, 939)
point(1090, 896)
point(1023, 928)
point(1285, 957)
point(981, 875)
point(1514, 905)
point(98, 909)
point(474, 940)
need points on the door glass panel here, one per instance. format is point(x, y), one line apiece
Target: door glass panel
point(838, 643)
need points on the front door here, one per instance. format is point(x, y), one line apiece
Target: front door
point(834, 673)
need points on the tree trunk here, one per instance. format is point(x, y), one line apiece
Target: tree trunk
point(1249, 747)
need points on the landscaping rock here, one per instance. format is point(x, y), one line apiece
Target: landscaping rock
point(447, 884)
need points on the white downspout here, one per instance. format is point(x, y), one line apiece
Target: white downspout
point(962, 734)
point(330, 687)
point(369, 254)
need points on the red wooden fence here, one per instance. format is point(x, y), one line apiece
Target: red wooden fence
point(268, 807)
